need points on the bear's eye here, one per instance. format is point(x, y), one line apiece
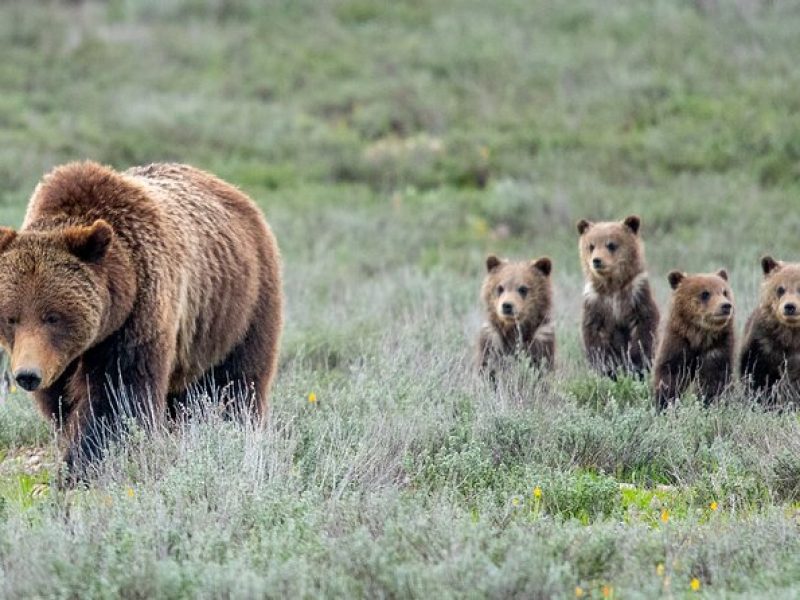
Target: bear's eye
point(591, 247)
point(705, 295)
point(612, 247)
point(12, 320)
point(781, 291)
point(725, 293)
point(523, 291)
point(51, 318)
point(500, 289)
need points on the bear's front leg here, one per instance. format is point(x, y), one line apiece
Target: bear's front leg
point(671, 374)
point(484, 348)
point(596, 337)
point(643, 336)
point(714, 374)
point(759, 370)
point(124, 382)
point(54, 402)
point(542, 349)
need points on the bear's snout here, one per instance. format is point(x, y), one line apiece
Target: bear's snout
point(788, 311)
point(507, 308)
point(597, 263)
point(726, 308)
point(28, 378)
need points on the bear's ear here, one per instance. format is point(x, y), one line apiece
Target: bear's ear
point(7, 236)
point(723, 273)
point(492, 262)
point(89, 243)
point(583, 225)
point(675, 278)
point(633, 222)
point(769, 264)
point(543, 264)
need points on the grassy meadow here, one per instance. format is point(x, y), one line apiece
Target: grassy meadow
point(392, 145)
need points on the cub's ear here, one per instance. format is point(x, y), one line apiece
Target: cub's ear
point(89, 243)
point(723, 273)
point(492, 262)
point(543, 264)
point(675, 278)
point(583, 225)
point(7, 235)
point(633, 222)
point(769, 264)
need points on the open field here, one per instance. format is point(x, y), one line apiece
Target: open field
point(391, 146)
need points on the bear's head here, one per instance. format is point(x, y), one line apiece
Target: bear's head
point(780, 291)
point(611, 252)
point(516, 293)
point(53, 297)
point(703, 301)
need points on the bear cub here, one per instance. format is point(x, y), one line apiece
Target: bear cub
point(771, 349)
point(517, 298)
point(620, 316)
point(698, 339)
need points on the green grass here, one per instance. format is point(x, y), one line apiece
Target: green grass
point(391, 146)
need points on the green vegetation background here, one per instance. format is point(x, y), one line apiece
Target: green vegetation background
point(391, 146)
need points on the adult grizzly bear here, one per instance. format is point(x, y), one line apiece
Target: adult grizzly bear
point(137, 285)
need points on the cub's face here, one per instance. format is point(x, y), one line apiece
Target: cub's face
point(610, 250)
point(50, 305)
point(703, 300)
point(780, 291)
point(517, 292)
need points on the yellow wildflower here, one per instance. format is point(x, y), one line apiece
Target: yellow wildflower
point(130, 492)
point(694, 584)
point(480, 226)
point(713, 505)
point(664, 515)
point(312, 398)
point(537, 492)
point(660, 569)
point(608, 591)
point(579, 593)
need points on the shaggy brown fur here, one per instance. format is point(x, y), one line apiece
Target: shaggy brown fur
point(620, 316)
point(149, 280)
point(698, 338)
point(771, 349)
point(517, 297)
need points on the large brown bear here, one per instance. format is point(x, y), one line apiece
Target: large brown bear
point(517, 298)
point(698, 340)
point(135, 286)
point(620, 316)
point(770, 357)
